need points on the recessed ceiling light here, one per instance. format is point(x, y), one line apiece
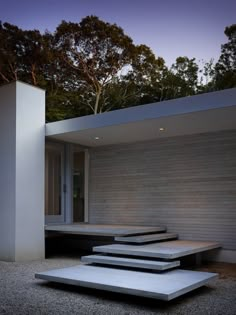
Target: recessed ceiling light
point(96, 138)
point(161, 129)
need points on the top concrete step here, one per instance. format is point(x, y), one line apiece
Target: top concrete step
point(147, 238)
point(165, 250)
point(103, 229)
point(164, 286)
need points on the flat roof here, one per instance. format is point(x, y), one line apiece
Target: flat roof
point(189, 115)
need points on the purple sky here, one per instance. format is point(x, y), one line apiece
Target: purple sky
point(171, 28)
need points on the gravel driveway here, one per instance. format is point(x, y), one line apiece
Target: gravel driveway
point(21, 293)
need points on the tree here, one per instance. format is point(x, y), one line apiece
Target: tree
point(31, 57)
point(145, 75)
point(10, 52)
point(226, 66)
point(207, 77)
point(180, 80)
point(97, 51)
point(23, 55)
point(186, 71)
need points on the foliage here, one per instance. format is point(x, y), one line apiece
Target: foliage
point(93, 66)
point(22, 54)
point(97, 51)
point(226, 66)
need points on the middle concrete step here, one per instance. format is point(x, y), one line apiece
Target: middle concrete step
point(164, 250)
point(147, 238)
point(130, 262)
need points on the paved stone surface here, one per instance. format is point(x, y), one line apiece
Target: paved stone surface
point(130, 262)
point(165, 250)
point(103, 229)
point(141, 239)
point(165, 286)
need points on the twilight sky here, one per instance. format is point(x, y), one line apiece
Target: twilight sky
point(171, 28)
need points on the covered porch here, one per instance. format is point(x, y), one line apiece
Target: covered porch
point(85, 183)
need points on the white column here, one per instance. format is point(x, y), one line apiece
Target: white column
point(22, 149)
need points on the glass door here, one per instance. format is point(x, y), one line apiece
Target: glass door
point(78, 186)
point(54, 183)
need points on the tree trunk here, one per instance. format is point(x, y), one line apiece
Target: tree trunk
point(4, 78)
point(98, 95)
point(33, 75)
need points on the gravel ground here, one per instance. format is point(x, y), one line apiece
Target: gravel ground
point(21, 293)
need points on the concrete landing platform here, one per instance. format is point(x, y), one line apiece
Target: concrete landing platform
point(165, 250)
point(130, 262)
point(165, 286)
point(103, 229)
point(147, 238)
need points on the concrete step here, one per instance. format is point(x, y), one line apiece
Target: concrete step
point(103, 229)
point(164, 286)
point(130, 262)
point(147, 238)
point(165, 250)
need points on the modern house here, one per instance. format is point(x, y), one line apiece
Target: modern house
point(171, 163)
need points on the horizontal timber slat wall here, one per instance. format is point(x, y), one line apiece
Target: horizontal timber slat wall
point(187, 183)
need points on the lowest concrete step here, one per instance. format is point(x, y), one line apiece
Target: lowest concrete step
point(163, 286)
point(165, 250)
point(147, 238)
point(130, 262)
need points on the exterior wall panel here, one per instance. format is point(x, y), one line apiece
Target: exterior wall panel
point(187, 183)
point(22, 137)
point(7, 177)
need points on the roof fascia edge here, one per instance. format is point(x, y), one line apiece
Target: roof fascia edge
point(197, 103)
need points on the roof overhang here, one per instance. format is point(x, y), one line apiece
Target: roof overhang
point(189, 115)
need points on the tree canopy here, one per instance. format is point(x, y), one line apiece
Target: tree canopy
point(225, 76)
point(93, 66)
point(97, 52)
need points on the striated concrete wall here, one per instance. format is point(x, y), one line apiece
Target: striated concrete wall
point(187, 183)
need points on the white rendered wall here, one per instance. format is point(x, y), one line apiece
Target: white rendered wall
point(7, 171)
point(22, 136)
